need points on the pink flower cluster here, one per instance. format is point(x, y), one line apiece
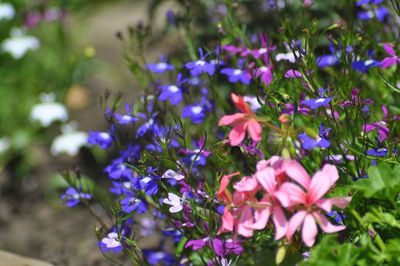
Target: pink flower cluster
point(280, 187)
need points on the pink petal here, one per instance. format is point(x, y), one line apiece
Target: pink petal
point(389, 48)
point(296, 194)
point(280, 222)
point(222, 193)
point(326, 204)
point(266, 178)
point(230, 119)
point(296, 172)
point(309, 231)
point(237, 134)
point(325, 225)
point(246, 184)
point(295, 223)
point(254, 128)
point(283, 198)
point(227, 221)
point(322, 182)
point(261, 217)
point(270, 162)
point(245, 221)
point(387, 62)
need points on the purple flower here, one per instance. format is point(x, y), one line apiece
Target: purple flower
point(335, 215)
point(198, 156)
point(221, 247)
point(72, 197)
point(102, 139)
point(380, 14)
point(172, 92)
point(392, 59)
point(149, 126)
point(201, 66)
point(160, 67)
point(363, 66)
point(148, 185)
point(379, 151)
point(118, 169)
point(111, 243)
point(195, 112)
point(321, 141)
point(236, 75)
point(291, 73)
point(175, 234)
point(157, 257)
point(130, 203)
point(265, 72)
point(330, 59)
point(126, 119)
point(364, 2)
point(317, 102)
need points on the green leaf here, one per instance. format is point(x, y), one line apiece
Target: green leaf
point(383, 182)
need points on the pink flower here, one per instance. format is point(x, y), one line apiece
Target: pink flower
point(309, 203)
point(392, 59)
point(241, 122)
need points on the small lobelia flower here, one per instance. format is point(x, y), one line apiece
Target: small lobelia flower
point(201, 66)
point(241, 122)
point(131, 203)
point(70, 141)
point(126, 119)
point(175, 201)
point(380, 13)
point(195, 112)
point(7, 11)
point(160, 67)
point(236, 75)
point(48, 111)
point(364, 2)
point(172, 174)
point(317, 102)
point(364, 66)
point(73, 196)
point(111, 243)
point(390, 60)
point(102, 139)
point(291, 73)
point(321, 140)
point(118, 169)
point(172, 92)
point(308, 200)
point(19, 43)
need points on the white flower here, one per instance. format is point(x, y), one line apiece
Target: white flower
point(70, 141)
point(48, 111)
point(19, 44)
point(4, 145)
point(291, 57)
point(7, 11)
point(175, 201)
point(172, 174)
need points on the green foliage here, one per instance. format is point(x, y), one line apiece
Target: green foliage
point(383, 182)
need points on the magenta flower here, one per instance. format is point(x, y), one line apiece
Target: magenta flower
point(390, 60)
